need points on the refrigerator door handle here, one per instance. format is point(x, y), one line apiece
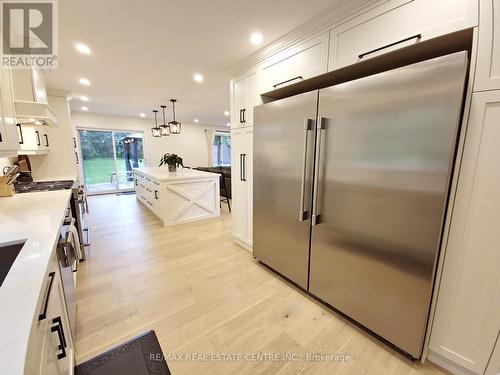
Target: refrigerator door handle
point(316, 214)
point(308, 126)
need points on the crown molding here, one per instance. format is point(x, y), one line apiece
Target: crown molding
point(311, 28)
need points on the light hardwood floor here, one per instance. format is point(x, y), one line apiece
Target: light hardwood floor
point(201, 293)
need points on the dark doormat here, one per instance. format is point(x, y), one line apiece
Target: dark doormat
point(141, 355)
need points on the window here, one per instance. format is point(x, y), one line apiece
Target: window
point(221, 149)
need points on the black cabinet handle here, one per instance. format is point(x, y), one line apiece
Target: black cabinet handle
point(74, 142)
point(288, 80)
point(0, 136)
point(77, 159)
point(62, 338)
point(244, 112)
point(21, 139)
point(156, 194)
point(136, 183)
point(46, 140)
point(241, 120)
point(43, 314)
point(38, 143)
point(418, 37)
point(241, 167)
point(244, 167)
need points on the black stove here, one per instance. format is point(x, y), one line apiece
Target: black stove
point(31, 187)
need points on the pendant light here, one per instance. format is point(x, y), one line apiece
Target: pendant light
point(175, 127)
point(156, 130)
point(164, 128)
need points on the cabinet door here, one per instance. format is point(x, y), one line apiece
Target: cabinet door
point(238, 99)
point(8, 133)
point(466, 321)
point(488, 55)
point(397, 22)
point(248, 175)
point(54, 359)
point(238, 183)
point(253, 99)
point(494, 364)
point(304, 61)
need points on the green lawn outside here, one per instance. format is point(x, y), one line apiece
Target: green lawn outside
point(98, 171)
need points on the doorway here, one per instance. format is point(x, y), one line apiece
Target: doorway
point(108, 157)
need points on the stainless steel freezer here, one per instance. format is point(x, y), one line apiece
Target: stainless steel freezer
point(383, 156)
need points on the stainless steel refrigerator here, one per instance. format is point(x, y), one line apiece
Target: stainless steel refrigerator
point(350, 190)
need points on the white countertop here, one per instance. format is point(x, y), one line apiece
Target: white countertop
point(162, 173)
point(36, 218)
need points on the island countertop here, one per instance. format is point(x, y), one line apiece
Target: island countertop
point(162, 173)
point(35, 218)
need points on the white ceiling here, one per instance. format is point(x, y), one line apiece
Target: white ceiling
point(146, 52)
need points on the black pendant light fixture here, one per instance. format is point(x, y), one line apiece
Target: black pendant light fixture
point(175, 127)
point(164, 128)
point(156, 131)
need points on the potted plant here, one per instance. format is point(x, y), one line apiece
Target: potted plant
point(172, 160)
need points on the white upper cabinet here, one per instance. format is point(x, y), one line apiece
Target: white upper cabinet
point(292, 65)
point(244, 97)
point(397, 24)
point(466, 322)
point(8, 136)
point(488, 59)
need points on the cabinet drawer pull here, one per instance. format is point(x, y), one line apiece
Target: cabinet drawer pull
point(21, 138)
point(77, 159)
point(244, 115)
point(62, 338)
point(288, 80)
point(74, 142)
point(156, 194)
point(418, 37)
point(38, 143)
point(46, 140)
point(43, 314)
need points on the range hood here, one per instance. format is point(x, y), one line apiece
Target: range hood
point(33, 113)
point(30, 98)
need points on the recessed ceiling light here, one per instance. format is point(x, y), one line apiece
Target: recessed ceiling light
point(198, 77)
point(83, 48)
point(142, 115)
point(256, 38)
point(196, 120)
point(84, 108)
point(228, 124)
point(226, 113)
point(84, 81)
point(84, 98)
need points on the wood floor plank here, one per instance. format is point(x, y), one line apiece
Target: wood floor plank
point(202, 294)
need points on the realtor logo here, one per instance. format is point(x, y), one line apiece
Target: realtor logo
point(29, 34)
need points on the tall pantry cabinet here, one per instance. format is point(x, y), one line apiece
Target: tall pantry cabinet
point(243, 98)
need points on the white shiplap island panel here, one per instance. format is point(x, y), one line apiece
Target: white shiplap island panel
point(178, 197)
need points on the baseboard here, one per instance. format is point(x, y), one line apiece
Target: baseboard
point(445, 363)
point(243, 244)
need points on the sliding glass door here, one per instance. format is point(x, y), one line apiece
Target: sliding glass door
point(108, 159)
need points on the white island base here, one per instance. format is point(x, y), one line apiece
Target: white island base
point(178, 197)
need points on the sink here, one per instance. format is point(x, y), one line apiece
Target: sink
point(8, 254)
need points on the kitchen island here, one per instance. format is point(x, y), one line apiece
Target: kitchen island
point(178, 197)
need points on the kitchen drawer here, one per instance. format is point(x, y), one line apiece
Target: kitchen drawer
point(488, 55)
point(397, 22)
point(304, 61)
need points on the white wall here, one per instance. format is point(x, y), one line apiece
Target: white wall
point(190, 145)
point(60, 162)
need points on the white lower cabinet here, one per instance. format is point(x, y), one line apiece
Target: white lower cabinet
point(242, 185)
point(50, 349)
point(467, 318)
point(397, 23)
point(488, 55)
